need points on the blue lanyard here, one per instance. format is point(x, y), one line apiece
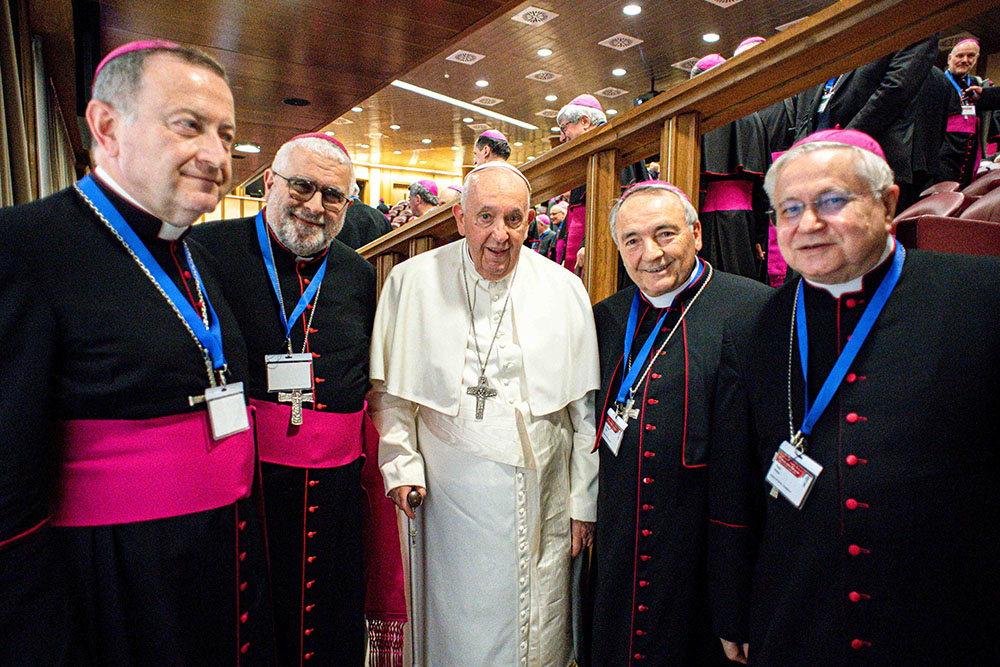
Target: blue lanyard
point(961, 93)
point(210, 336)
point(850, 350)
point(630, 326)
point(272, 274)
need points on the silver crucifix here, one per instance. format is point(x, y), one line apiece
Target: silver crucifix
point(481, 391)
point(296, 397)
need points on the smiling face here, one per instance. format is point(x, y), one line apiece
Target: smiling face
point(172, 152)
point(963, 58)
point(494, 221)
point(840, 247)
point(306, 228)
point(657, 246)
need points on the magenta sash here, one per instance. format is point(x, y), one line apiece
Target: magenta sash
point(960, 123)
point(776, 265)
point(728, 196)
point(325, 439)
point(123, 470)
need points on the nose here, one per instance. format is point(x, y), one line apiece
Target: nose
point(651, 250)
point(315, 203)
point(810, 221)
point(500, 233)
point(213, 154)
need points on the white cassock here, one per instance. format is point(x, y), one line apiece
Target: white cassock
point(501, 491)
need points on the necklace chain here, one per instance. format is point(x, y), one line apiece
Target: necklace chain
point(312, 312)
point(472, 315)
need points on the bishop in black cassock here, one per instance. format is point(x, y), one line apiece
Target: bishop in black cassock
point(650, 589)
point(893, 557)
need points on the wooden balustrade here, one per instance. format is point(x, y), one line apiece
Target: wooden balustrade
point(845, 35)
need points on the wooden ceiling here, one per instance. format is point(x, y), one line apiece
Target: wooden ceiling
point(339, 55)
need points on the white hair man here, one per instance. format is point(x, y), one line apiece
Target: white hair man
point(660, 341)
point(962, 148)
point(423, 196)
point(492, 426)
point(125, 397)
point(305, 303)
point(852, 471)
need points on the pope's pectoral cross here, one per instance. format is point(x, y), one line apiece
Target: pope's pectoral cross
point(481, 391)
point(296, 397)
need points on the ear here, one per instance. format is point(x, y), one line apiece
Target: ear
point(696, 230)
point(268, 181)
point(456, 211)
point(105, 124)
point(531, 215)
point(889, 199)
point(585, 121)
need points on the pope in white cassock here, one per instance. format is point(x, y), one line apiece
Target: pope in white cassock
point(484, 365)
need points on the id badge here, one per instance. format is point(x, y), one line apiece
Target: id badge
point(968, 109)
point(227, 411)
point(613, 431)
point(288, 372)
point(793, 474)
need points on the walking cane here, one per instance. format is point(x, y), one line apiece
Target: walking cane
point(414, 499)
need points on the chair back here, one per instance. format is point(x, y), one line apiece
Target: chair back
point(941, 203)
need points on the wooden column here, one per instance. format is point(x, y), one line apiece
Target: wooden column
point(680, 153)
point(383, 265)
point(419, 245)
point(600, 275)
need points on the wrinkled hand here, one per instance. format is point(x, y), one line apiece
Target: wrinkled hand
point(581, 260)
point(736, 652)
point(583, 535)
point(972, 93)
point(398, 496)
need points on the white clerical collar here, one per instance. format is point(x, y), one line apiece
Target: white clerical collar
point(168, 232)
point(837, 290)
point(667, 300)
point(475, 276)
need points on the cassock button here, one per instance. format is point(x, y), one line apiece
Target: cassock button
point(309, 607)
point(647, 507)
point(854, 596)
point(647, 480)
point(309, 584)
point(639, 656)
point(243, 556)
point(850, 303)
point(655, 376)
point(312, 508)
point(851, 460)
point(308, 631)
point(851, 504)
point(851, 377)
point(315, 355)
point(649, 455)
point(644, 557)
point(642, 608)
point(243, 618)
point(309, 306)
point(311, 533)
point(639, 633)
point(242, 525)
point(320, 379)
point(646, 532)
point(245, 648)
point(305, 280)
point(308, 656)
point(855, 550)
point(313, 482)
point(650, 427)
point(859, 644)
point(243, 586)
point(652, 401)
point(187, 274)
point(851, 417)
point(643, 584)
point(311, 559)
point(311, 330)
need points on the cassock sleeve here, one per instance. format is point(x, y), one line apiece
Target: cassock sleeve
point(990, 99)
point(735, 490)
point(584, 461)
point(396, 421)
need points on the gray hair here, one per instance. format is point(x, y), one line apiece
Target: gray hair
point(119, 81)
point(322, 147)
point(874, 170)
point(572, 113)
point(690, 215)
point(419, 190)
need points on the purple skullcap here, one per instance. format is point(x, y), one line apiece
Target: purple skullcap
point(141, 45)
point(850, 137)
point(456, 188)
point(748, 43)
point(544, 219)
point(494, 134)
point(559, 206)
point(323, 135)
point(663, 184)
point(587, 100)
point(430, 185)
point(709, 61)
point(967, 39)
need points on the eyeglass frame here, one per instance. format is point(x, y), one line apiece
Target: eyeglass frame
point(774, 216)
point(324, 192)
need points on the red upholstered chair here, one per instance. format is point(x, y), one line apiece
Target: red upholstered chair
point(983, 184)
point(985, 208)
point(968, 237)
point(943, 186)
point(942, 203)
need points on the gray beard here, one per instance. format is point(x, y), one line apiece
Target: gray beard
point(303, 241)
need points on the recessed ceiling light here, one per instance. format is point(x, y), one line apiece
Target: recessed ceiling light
point(423, 162)
point(710, 37)
point(357, 109)
point(551, 98)
point(466, 120)
point(456, 148)
point(425, 141)
point(247, 148)
point(330, 133)
point(482, 83)
point(296, 102)
point(545, 52)
point(447, 76)
point(555, 129)
point(611, 112)
point(619, 71)
point(397, 152)
point(365, 146)
point(394, 127)
point(631, 10)
point(518, 143)
point(530, 158)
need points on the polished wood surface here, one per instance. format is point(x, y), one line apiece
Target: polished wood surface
point(603, 186)
point(680, 152)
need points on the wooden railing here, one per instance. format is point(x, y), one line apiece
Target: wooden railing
point(848, 34)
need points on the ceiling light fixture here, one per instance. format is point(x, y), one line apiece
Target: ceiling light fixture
point(466, 120)
point(365, 146)
point(482, 83)
point(619, 71)
point(710, 37)
point(247, 148)
point(423, 162)
point(530, 158)
point(556, 129)
point(394, 127)
point(425, 141)
point(330, 133)
point(551, 98)
point(357, 109)
point(296, 102)
point(611, 112)
point(397, 152)
point(463, 105)
point(518, 143)
point(456, 148)
point(631, 10)
point(545, 52)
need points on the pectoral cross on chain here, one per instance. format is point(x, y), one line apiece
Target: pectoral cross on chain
point(481, 391)
point(296, 397)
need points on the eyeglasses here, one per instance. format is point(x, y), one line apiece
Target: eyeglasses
point(828, 205)
point(302, 189)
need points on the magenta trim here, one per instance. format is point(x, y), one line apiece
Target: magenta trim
point(576, 229)
point(121, 470)
point(325, 439)
point(776, 265)
point(728, 196)
point(959, 123)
